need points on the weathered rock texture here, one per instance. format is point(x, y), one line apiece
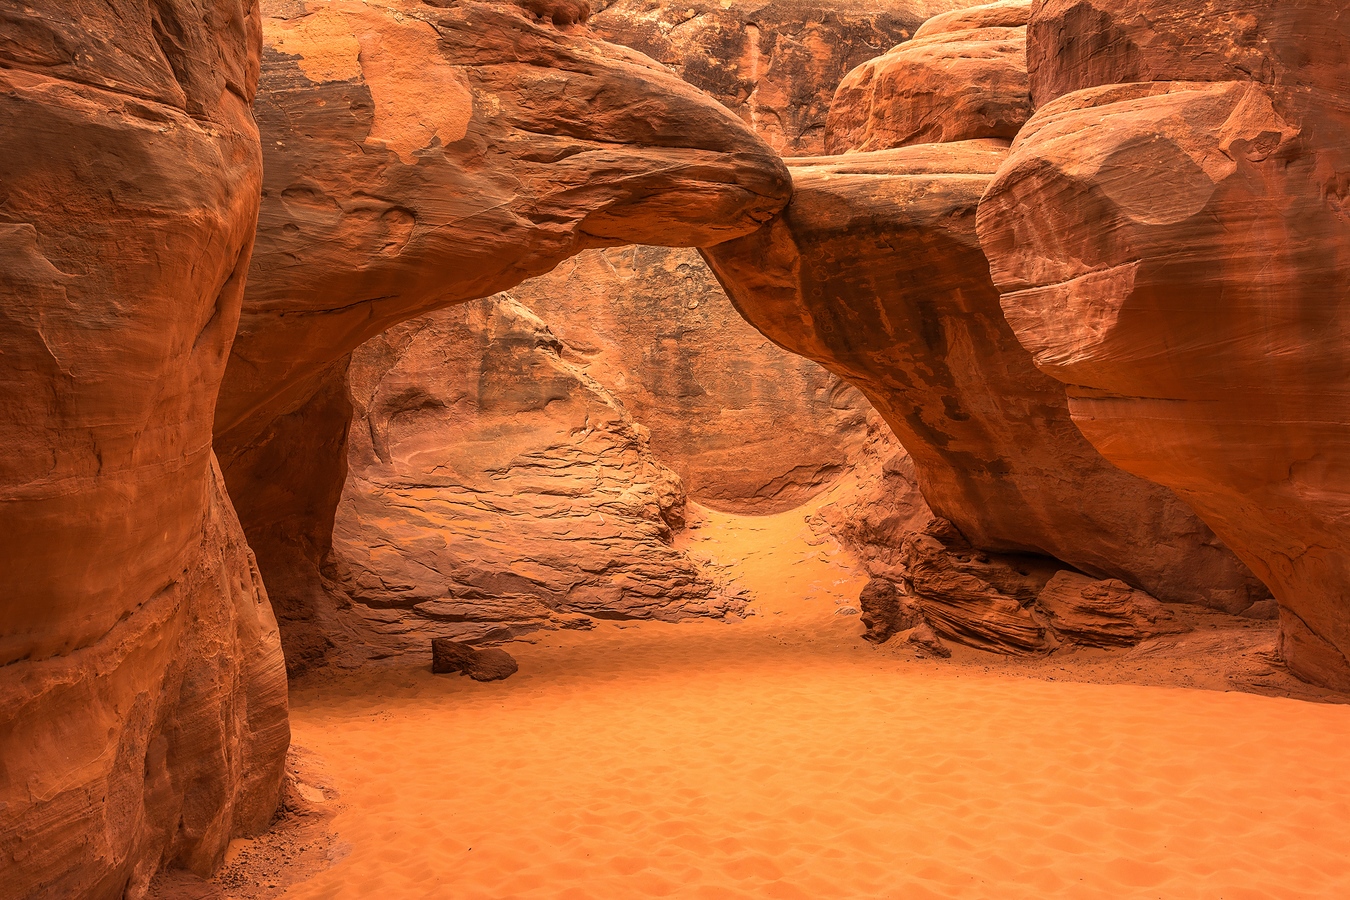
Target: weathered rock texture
point(494, 483)
point(775, 63)
point(1171, 240)
point(874, 270)
point(143, 695)
point(962, 77)
point(418, 156)
point(486, 664)
point(748, 427)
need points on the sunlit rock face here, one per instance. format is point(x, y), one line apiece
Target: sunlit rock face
point(494, 483)
point(749, 427)
point(418, 156)
point(1171, 243)
point(962, 77)
point(775, 64)
point(875, 271)
point(143, 695)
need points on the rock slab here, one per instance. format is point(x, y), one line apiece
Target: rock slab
point(480, 664)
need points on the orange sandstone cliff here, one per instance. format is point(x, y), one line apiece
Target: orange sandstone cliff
point(1170, 238)
point(142, 692)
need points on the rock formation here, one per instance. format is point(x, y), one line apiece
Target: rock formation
point(1170, 238)
point(775, 64)
point(747, 426)
point(544, 141)
point(493, 483)
point(874, 270)
point(486, 664)
point(963, 76)
point(141, 683)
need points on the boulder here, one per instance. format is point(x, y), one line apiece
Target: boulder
point(885, 611)
point(1106, 613)
point(480, 664)
point(875, 271)
point(962, 77)
point(141, 681)
point(1170, 239)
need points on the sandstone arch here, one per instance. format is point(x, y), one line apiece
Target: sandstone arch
point(555, 142)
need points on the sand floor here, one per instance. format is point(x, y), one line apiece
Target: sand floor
point(782, 756)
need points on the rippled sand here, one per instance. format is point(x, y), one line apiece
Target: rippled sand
point(783, 757)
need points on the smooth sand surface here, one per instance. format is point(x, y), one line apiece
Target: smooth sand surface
point(784, 757)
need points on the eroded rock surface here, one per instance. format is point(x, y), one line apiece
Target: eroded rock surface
point(1103, 613)
point(962, 77)
point(775, 63)
point(419, 156)
point(480, 664)
point(493, 483)
point(141, 683)
point(874, 270)
point(749, 427)
point(1170, 238)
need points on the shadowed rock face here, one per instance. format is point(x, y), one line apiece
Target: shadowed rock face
point(143, 695)
point(1170, 238)
point(962, 77)
point(775, 63)
point(418, 156)
point(874, 270)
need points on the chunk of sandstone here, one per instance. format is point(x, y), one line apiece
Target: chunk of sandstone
point(885, 611)
point(962, 77)
point(1106, 613)
point(1170, 238)
point(480, 664)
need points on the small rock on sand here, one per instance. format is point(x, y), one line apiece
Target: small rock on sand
point(488, 664)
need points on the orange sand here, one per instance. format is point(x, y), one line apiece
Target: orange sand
point(783, 757)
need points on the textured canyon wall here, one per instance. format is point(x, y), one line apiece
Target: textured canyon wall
point(1170, 237)
point(875, 270)
point(749, 427)
point(493, 482)
point(545, 141)
point(775, 63)
point(141, 682)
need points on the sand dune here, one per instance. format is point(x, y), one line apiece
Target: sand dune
point(781, 757)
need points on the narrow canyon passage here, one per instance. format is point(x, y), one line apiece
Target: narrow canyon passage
point(782, 756)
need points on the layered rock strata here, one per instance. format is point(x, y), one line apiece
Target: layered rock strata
point(1170, 238)
point(141, 682)
point(775, 64)
point(748, 427)
point(493, 483)
point(874, 270)
point(494, 140)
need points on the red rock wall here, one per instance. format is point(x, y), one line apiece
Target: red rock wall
point(1170, 239)
point(776, 64)
point(493, 483)
point(140, 671)
point(749, 427)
